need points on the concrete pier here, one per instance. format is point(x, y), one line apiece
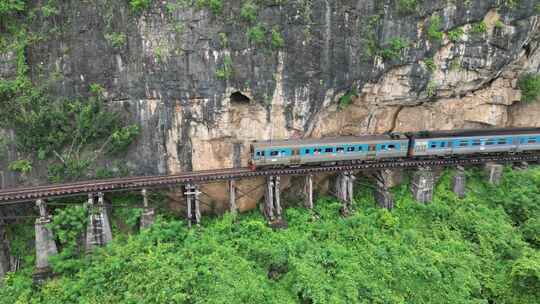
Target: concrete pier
point(272, 202)
point(5, 265)
point(45, 244)
point(98, 230)
point(232, 197)
point(459, 181)
point(494, 173)
point(148, 215)
point(344, 188)
point(193, 204)
point(308, 191)
point(382, 188)
point(422, 185)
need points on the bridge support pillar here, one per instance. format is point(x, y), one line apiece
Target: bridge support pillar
point(422, 185)
point(45, 245)
point(494, 173)
point(382, 193)
point(308, 191)
point(193, 204)
point(5, 255)
point(272, 206)
point(98, 231)
point(148, 215)
point(232, 197)
point(344, 190)
point(459, 181)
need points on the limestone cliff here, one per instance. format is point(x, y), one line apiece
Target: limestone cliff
point(203, 80)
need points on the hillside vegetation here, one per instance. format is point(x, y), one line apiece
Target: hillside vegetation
point(482, 249)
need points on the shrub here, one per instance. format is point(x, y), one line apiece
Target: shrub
point(479, 28)
point(226, 71)
point(10, 7)
point(430, 65)
point(529, 84)
point(256, 33)
point(434, 29)
point(116, 40)
point(394, 49)
point(407, 6)
point(249, 11)
point(277, 41)
point(346, 99)
point(455, 34)
point(23, 166)
point(139, 5)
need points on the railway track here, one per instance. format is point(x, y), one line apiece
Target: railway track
point(26, 194)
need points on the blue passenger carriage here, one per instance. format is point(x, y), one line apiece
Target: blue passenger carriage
point(328, 150)
point(444, 143)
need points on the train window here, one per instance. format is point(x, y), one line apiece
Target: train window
point(340, 149)
point(476, 142)
point(443, 144)
point(489, 142)
point(350, 149)
point(391, 147)
point(433, 145)
point(306, 151)
point(532, 140)
point(360, 148)
point(262, 153)
point(329, 150)
point(463, 143)
point(501, 141)
point(258, 153)
point(317, 150)
point(274, 153)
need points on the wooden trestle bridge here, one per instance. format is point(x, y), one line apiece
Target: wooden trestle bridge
point(99, 233)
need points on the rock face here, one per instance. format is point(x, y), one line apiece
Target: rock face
point(202, 84)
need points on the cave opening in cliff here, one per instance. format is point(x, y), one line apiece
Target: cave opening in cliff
point(238, 97)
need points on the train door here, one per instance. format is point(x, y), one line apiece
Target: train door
point(295, 156)
point(372, 151)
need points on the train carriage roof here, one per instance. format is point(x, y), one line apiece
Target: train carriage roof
point(345, 140)
point(475, 132)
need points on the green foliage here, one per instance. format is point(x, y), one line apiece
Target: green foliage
point(116, 40)
point(215, 6)
point(23, 166)
point(431, 89)
point(479, 28)
point(538, 8)
point(249, 11)
point(226, 71)
point(257, 33)
point(68, 226)
point(434, 29)
point(122, 138)
point(3, 148)
point(393, 50)
point(499, 24)
point(453, 250)
point(50, 8)
point(456, 34)
point(11, 7)
point(407, 6)
point(430, 65)
point(277, 41)
point(529, 84)
point(346, 99)
point(139, 5)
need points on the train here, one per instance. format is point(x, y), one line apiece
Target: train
point(423, 144)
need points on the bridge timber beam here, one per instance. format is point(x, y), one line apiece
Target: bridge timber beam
point(16, 195)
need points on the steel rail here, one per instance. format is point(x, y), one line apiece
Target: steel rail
point(18, 195)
